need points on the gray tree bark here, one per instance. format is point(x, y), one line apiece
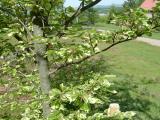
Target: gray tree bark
point(40, 50)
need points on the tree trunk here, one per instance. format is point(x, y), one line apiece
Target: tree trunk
point(40, 50)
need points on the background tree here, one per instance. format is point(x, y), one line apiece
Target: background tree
point(132, 3)
point(112, 12)
point(89, 16)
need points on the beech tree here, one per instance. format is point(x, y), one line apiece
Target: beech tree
point(39, 38)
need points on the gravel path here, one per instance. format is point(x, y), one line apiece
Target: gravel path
point(150, 41)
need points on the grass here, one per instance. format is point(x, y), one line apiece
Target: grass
point(135, 58)
point(105, 26)
point(142, 62)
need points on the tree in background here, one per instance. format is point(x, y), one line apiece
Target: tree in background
point(112, 12)
point(132, 3)
point(90, 16)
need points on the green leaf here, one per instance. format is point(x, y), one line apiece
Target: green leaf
point(54, 92)
point(85, 107)
point(92, 100)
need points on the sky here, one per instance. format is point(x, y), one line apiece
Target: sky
point(75, 3)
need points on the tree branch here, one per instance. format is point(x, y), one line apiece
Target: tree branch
point(88, 57)
point(26, 28)
point(90, 5)
point(80, 9)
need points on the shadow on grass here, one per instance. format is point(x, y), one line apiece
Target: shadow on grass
point(132, 93)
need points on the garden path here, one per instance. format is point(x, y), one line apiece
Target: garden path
point(150, 41)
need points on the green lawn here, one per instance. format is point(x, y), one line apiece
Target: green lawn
point(141, 62)
point(155, 35)
point(104, 26)
point(135, 58)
